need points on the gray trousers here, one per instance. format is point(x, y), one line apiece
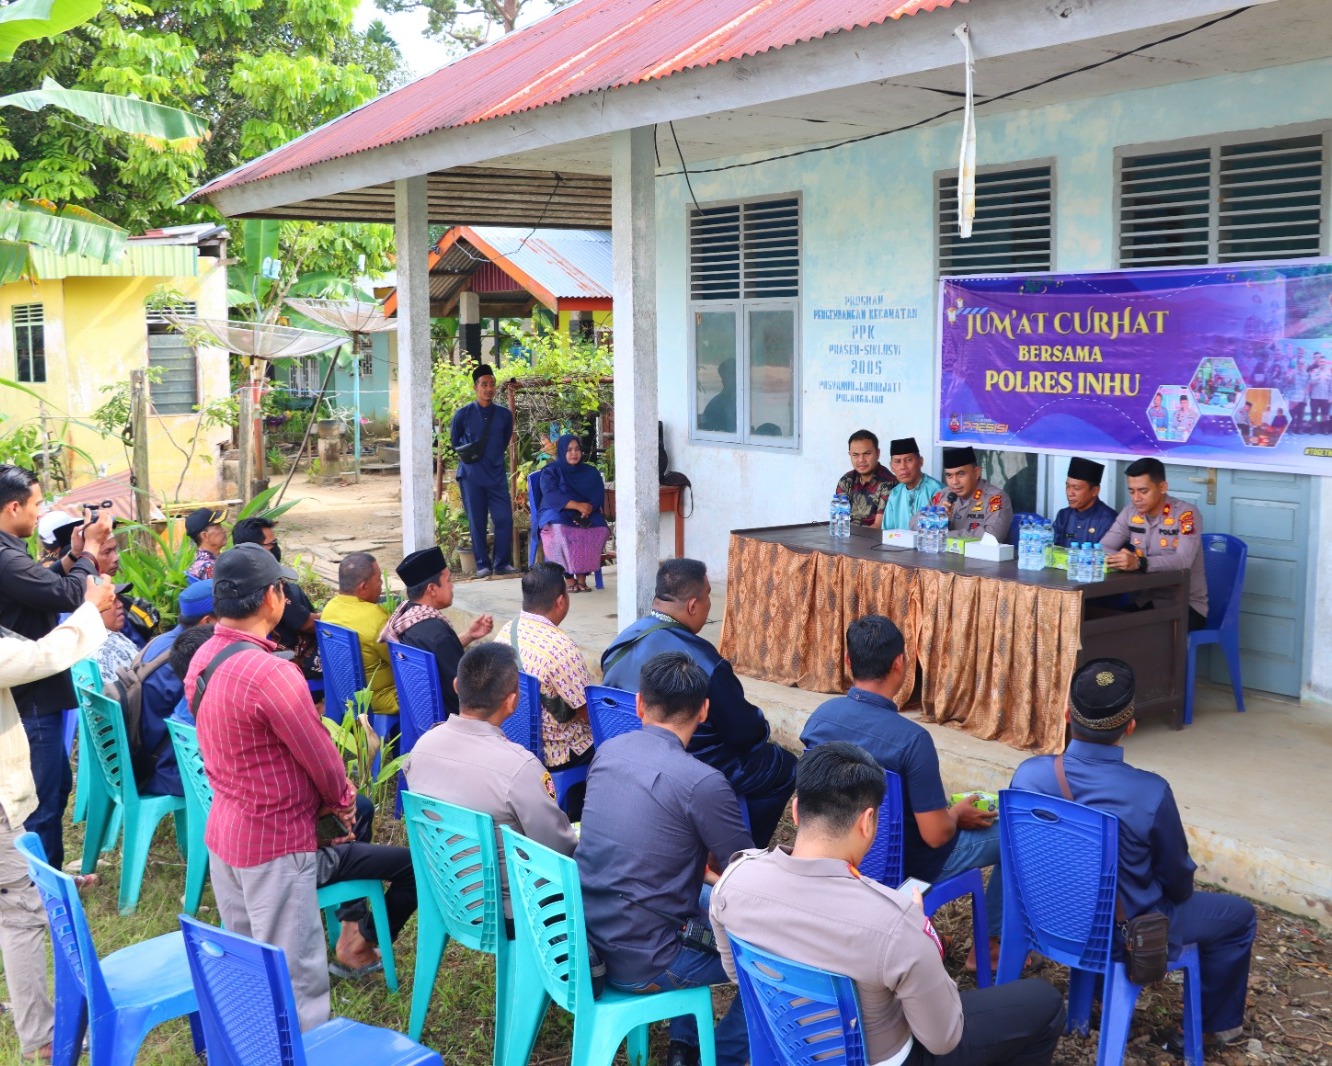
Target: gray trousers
point(23, 937)
point(276, 902)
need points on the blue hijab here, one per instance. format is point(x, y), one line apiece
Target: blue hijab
point(563, 482)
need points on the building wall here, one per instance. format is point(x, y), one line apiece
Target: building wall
point(868, 229)
point(96, 333)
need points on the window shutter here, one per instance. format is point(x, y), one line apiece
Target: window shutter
point(30, 342)
point(749, 250)
point(1164, 208)
point(1012, 230)
point(714, 254)
point(178, 391)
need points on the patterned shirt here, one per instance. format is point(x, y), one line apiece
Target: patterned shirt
point(118, 651)
point(202, 567)
point(270, 761)
point(868, 498)
point(551, 656)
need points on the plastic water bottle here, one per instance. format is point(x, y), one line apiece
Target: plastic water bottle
point(1085, 563)
point(843, 517)
point(1075, 561)
point(834, 517)
point(1024, 545)
point(1098, 562)
point(1032, 537)
point(1047, 545)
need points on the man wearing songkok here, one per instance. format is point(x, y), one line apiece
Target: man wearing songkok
point(1155, 870)
point(974, 506)
point(419, 621)
point(480, 433)
point(807, 902)
point(1156, 531)
point(1087, 518)
point(867, 484)
point(914, 489)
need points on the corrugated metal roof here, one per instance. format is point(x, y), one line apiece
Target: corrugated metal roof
point(139, 261)
point(566, 263)
point(587, 47)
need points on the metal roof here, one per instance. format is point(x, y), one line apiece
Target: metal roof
point(587, 47)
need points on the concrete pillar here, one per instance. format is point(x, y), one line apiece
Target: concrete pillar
point(634, 244)
point(469, 324)
point(415, 391)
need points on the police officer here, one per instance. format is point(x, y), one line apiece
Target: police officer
point(1156, 531)
point(974, 506)
point(1087, 518)
point(480, 435)
point(468, 761)
point(1155, 870)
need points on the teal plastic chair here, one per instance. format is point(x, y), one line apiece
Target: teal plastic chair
point(104, 727)
point(552, 965)
point(198, 802)
point(458, 895)
point(333, 896)
point(87, 672)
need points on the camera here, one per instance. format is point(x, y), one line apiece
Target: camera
point(95, 509)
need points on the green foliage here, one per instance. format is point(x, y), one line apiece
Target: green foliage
point(18, 443)
point(259, 506)
point(156, 568)
point(464, 25)
point(357, 743)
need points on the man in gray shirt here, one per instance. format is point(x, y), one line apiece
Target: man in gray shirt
point(652, 816)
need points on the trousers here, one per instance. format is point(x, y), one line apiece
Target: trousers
point(482, 501)
point(372, 862)
point(1017, 1024)
point(763, 781)
point(23, 944)
point(1223, 927)
point(51, 774)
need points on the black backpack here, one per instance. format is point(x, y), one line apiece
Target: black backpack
point(126, 688)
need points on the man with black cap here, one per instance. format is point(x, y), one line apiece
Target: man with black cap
point(974, 506)
point(914, 489)
point(419, 620)
point(296, 631)
point(204, 527)
point(867, 484)
point(480, 435)
point(1155, 870)
point(1087, 518)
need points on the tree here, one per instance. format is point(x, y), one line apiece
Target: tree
point(468, 24)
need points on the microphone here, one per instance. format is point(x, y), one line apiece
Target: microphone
point(952, 497)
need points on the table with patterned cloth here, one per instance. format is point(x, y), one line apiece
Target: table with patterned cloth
point(996, 646)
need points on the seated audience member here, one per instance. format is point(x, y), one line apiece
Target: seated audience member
point(868, 483)
point(182, 654)
point(807, 903)
point(1156, 531)
point(734, 736)
point(974, 506)
point(118, 650)
point(296, 631)
point(550, 655)
point(419, 621)
point(204, 527)
point(1155, 870)
point(257, 724)
point(356, 606)
point(652, 816)
point(914, 489)
point(938, 840)
point(468, 761)
point(1087, 518)
point(573, 527)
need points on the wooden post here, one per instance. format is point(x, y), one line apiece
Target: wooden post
point(246, 442)
point(139, 400)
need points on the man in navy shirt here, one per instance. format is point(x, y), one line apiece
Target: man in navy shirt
point(1087, 518)
point(484, 483)
point(1155, 870)
point(938, 840)
point(651, 817)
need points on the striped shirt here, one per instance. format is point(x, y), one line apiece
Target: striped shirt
point(270, 761)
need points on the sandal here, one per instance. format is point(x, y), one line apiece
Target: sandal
point(82, 881)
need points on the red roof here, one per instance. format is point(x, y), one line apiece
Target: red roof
point(587, 47)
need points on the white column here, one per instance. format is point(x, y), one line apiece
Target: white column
point(633, 236)
point(415, 390)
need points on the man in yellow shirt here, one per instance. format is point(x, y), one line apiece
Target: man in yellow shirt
point(356, 606)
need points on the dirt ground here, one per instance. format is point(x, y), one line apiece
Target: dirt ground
point(331, 521)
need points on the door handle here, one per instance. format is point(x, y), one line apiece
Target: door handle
point(1210, 482)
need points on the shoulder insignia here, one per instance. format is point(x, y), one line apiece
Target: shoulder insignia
point(996, 502)
point(1186, 522)
point(938, 942)
point(549, 782)
point(1166, 509)
point(1137, 520)
point(937, 496)
point(976, 495)
point(1169, 522)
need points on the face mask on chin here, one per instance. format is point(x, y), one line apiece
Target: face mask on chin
point(276, 549)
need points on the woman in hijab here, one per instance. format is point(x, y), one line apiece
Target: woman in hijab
point(570, 495)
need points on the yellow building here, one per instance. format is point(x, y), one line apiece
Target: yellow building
point(82, 325)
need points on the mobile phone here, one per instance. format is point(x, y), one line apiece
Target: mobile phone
point(914, 883)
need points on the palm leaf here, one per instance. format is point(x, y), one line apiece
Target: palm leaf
point(16, 262)
point(156, 124)
point(325, 283)
point(21, 388)
point(62, 230)
point(29, 20)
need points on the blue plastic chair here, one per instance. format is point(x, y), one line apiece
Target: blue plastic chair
point(459, 895)
point(797, 1015)
point(249, 1011)
point(552, 966)
point(1224, 558)
point(104, 726)
point(198, 802)
point(610, 712)
point(344, 676)
point(1061, 873)
point(420, 700)
point(883, 863)
point(523, 727)
point(534, 537)
point(118, 998)
point(1018, 518)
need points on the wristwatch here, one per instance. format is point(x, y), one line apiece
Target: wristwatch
point(1142, 564)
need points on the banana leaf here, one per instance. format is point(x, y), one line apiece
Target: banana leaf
point(29, 20)
point(155, 124)
point(16, 262)
point(62, 230)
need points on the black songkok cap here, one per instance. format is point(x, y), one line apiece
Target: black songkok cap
point(483, 370)
point(903, 446)
point(1102, 695)
point(425, 565)
point(1080, 469)
point(955, 457)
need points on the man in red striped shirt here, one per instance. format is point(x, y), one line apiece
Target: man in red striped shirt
point(273, 768)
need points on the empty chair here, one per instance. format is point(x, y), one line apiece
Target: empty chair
point(1061, 872)
point(611, 711)
point(552, 965)
point(523, 727)
point(119, 998)
point(1224, 558)
point(883, 863)
point(249, 1012)
point(420, 699)
point(198, 802)
point(344, 674)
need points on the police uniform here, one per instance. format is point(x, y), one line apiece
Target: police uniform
point(1155, 870)
point(989, 510)
point(1170, 540)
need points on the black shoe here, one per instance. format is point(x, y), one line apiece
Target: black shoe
point(1174, 1043)
point(506, 571)
point(679, 1054)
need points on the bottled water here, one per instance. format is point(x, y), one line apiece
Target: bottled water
point(843, 517)
point(1024, 545)
point(1098, 562)
point(1047, 545)
point(1075, 561)
point(834, 517)
point(930, 531)
point(1084, 563)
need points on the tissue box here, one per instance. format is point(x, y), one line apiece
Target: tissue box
point(900, 538)
point(992, 553)
point(960, 545)
point(1060, 558)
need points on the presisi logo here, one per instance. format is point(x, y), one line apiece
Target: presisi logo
point(960, 310)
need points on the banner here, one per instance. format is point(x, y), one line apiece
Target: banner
point(1211, 366)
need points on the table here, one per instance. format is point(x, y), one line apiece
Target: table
point(672, 500)
point(997, 646)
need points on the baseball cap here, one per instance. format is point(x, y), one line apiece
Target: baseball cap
point(52, 521)
point(245, 569)
point(199, 520)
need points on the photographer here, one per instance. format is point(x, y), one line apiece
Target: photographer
point(31, 601)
